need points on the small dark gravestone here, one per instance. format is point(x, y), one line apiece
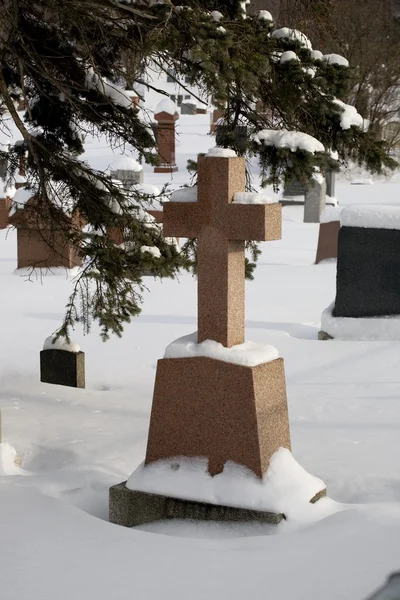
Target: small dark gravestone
point(368, 267)
point(62, 366)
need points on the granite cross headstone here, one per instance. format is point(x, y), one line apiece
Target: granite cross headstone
point(204, 407)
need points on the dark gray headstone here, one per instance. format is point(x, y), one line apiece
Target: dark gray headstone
point(294, 188)
point(62, 368)
point(188, 108)
point(368, 273)
point(128, 177)
point(315, 200)
point(241, 136)
point(330, 177)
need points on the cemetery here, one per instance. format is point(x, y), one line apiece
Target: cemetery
point(239, 436)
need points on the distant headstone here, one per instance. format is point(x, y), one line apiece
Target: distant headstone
point(241, 135)
point(39, 242)
point(315, 200)
point(127, 170)
point(368, 275)
point(294, 188)
point(188, 108)
point(328, 235)
point(330, 177)
point(216, 116)
point(166, 115)
point(62, 366)
point(368, 272)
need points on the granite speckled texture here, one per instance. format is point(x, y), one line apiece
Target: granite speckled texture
point(368, 273)
point(327, 241)
point(222, 411)
point(62, 368)
point(221, 229)
point(130, 508)
point(166, 142)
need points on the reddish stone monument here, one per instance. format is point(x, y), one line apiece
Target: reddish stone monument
point(328, 241)
point(216, 115)
point(43, 243)
point(236, 413)
point(203, 407)
point(5, 206)
point(166, 116)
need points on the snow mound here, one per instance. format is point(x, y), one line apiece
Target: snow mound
point(361, 328)
point(221, 153)
point(265, 15)
point(349, 115)
point(216, 15)
point(294, 140)
point(288, 56)
point(248, 354)
point(153, 250)
point(285, 488)
point(6, 191)
point(330, 214)
point(147, 189)
point(8, 457)
point(60, 343)
point(166, 106)
point(22, 195)
point(185, 194)
point(294, 35)
point(253, 198)
point(336, 59)
point(371, 216)
point(317, 55)
point(126, 163)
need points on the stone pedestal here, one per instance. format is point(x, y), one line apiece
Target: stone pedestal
point(315, 201)
point(5, 205)
point(131, 508)
point(222, 411)
point(166, 142)
point(328, 241)
point(62, 368)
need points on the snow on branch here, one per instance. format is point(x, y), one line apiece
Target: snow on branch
point(294, 140)
point(116, 94)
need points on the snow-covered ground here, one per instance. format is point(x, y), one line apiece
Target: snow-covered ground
point(344, 404)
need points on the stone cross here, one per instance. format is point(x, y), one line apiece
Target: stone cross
point(221, 228)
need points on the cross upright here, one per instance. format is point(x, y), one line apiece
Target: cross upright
point(221, 227)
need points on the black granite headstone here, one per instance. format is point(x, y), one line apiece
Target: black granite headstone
point(368, 273)
point(62, 368)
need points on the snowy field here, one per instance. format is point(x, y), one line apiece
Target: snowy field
point(344, 406)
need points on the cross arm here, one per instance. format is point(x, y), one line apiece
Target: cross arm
point(181, 219)
point(257, 222)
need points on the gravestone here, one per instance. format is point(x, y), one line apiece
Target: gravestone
point(62, 364)
point(368, 274)
point(240, 135)
point(62, 368)
point(294, 188)
point(127, 170)
point(216, 116)
point(315, 199)
point(39, 243)
point(327, 241)
point(330, 177)
point(189, 107)
point(166, 115)
point(204, 407)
